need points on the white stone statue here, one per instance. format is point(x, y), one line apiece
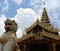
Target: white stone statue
point(9, 39)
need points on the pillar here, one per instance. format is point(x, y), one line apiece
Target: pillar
point(24, 47)
point(54, 47)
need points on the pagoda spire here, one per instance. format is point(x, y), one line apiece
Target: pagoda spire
point(45, 19)
point(37, 16)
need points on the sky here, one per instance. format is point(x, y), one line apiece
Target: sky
point(24, 12)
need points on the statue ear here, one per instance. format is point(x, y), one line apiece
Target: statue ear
point(13, 20)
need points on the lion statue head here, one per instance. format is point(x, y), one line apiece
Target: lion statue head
point(10, 25)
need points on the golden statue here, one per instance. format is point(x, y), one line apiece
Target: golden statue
point(9, 39)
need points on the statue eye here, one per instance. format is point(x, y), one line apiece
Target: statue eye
point(6, 24)
point(9, 23)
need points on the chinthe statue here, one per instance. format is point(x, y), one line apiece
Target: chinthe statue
point(9, 39)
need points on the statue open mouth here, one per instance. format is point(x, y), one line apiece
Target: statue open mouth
point(7, 24)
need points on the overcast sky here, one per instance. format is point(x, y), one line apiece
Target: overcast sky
point(24, 12)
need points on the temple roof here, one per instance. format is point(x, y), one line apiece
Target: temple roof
point(25, 37)
point(52, 36)
point(44, 23)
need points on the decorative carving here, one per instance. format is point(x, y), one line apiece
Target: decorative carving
point(38, 36)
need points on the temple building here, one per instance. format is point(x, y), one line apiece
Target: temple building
point(40, 36)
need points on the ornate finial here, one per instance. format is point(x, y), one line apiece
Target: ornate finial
point(37, 19)
point(23, 34)
point(37, 15)
point(44, 5)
